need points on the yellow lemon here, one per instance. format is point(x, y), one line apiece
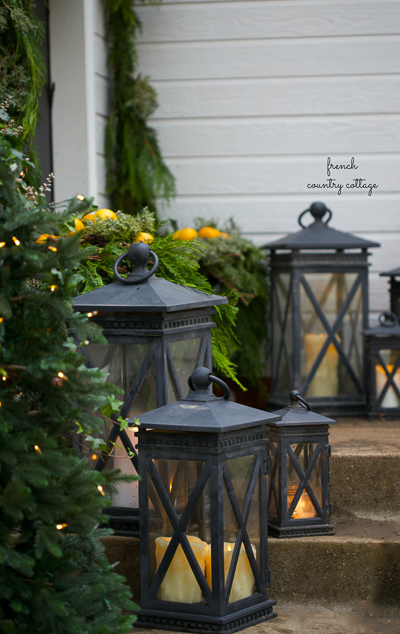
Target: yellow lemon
point(176, 235)
point(106, 213)
point(79, 226)
point(91, 217)
point(187, 234)
point(145, 237)
point(224, 235)
point(44, 237)
point(209, 232)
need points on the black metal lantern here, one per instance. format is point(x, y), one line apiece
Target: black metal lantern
point(394, 289)
point(298, 490)
point(319, 279)
point(383, 362)
point(157, 333)
point(203, 513)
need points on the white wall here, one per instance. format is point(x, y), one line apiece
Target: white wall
point(78, 68)
point(256, 94)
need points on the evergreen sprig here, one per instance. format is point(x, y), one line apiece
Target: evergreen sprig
point(22, 66)
point(54, 576)
point(136, 173)
point(233, 263)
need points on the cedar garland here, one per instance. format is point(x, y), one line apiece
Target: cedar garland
point(136, 173)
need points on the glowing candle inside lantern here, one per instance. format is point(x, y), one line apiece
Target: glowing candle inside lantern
point(179, 583)
point(243, 580)
point(390, 399)
point(304, 507)
point(325, 381)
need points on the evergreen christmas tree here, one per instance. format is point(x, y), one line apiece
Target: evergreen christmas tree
point(54, 577)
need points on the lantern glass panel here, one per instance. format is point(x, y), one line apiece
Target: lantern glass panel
point(390, 398)
point(304, 453)
point(179, 478)
point(282, 324)
point(185, 355)
point(273, 500)
point(242, 490)
point(332, 376)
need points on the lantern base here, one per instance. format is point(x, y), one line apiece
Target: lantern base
point(123, 521)
point(186, 622)
point(300, 531)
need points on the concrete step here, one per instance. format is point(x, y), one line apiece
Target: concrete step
point(365, 467)
point(317, 618)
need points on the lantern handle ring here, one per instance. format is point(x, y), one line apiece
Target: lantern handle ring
point(388, 319)
point(295, 396)
point(204, 379)
point(139, 254)
point(318, 211)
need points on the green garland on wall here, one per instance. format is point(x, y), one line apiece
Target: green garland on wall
point(136, 173)
point(22, 70)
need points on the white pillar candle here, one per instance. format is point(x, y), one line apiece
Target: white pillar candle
point(304, 507)
point(243, 580)
point(325, 381)
point(179, 583)
point(390, 399)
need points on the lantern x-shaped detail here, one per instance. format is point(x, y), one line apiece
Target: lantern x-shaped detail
point(203, 521)
point(157, 333)
point(298, 490)
point(383, 362)
point(319, 298)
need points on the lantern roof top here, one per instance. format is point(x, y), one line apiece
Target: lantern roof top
point(319, 236)
point(388, 326)
point(202, 411)
point(391, 273)
point(141, 292)
point(298, 412)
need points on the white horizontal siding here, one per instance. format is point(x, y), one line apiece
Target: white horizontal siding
point(102, 100)
point(255, 95)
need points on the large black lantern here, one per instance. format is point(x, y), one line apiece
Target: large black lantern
point(203, 513)
point(383, 362)
point(157, 333)
point(298, 490)
point(394, 289)
point(319, 279)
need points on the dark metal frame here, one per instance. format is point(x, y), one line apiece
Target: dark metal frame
point(297, 264)
point(374, 344)
point(215, 614)
point(158, 330)
point(283, 525)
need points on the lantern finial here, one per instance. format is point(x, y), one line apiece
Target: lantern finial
point(295, 398)
point(139, 254)
point(318, 211)
point(201, 379)
point(388, 319)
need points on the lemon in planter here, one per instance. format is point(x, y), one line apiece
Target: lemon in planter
point(44, 237)
point(90, 217)
point(106, 213)
point(145, 237)
point(209, 232)
point(79, 226)
point(187, 234)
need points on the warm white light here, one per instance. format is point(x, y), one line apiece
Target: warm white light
point(61, 375)
point(17, 242)
point(2, 244)
point(52, 248)
point(53, 287)
point(37, 448)
point(59, 527)
point(100, 488)
point(90, 314)
point(80, 197)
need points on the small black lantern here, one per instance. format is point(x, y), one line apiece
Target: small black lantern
point(383, 362)
point(298, 490)
point(319, 283)
point(203, 513)
point(157, 333)
point(394, 290)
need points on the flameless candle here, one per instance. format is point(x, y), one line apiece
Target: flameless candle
point(325, 381)
point(304, 507)
point(243, 581)
point(390, 399)
point(179, 583)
